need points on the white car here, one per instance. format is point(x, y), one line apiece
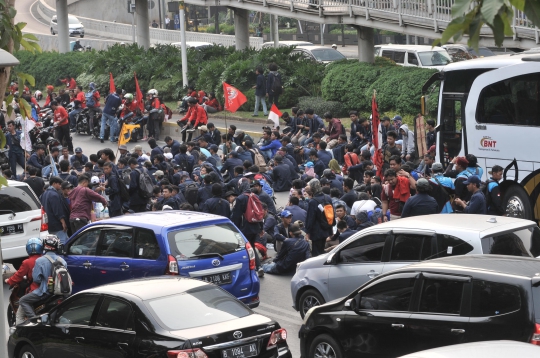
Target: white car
point(415, 55)
point(75, 26)
point(388, 246)
point(21, 217)
point(491, 349)
point(287, 43)
point(197, 45)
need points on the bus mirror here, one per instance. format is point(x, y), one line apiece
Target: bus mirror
point(423, 101)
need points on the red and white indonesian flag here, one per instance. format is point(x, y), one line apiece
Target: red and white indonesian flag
point(274, 115)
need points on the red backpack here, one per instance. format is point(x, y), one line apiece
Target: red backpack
point(254, 210)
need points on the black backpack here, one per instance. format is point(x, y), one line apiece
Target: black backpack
point(184, 164)
point(277, 86)
point(191, 194)
point(124, 192)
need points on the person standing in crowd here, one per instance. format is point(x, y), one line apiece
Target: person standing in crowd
point(36, 183)
point(81, 199)
point(61, 122)
point(294, 250)
point(431, 135)
point(407, 151)
point(52, 203)
point(251, 230)
point(316, 230)
point(477, 204)
point(112, 189)
point(493, 192)
point(112, 103)
point(274, 85)
point(137, 203)
point(421, 203)
point(37, 160)
point(16, 152)
point(281, 175)
point(441, 189)
point(260, 92)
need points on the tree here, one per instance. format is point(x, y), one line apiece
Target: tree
point(470, 15)
point(12, 39)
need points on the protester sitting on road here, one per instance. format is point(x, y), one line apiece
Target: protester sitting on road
point(294, 250)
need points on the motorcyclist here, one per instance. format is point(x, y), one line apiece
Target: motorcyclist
point(77, 45)
point(34, 248)
point(40, 274)
point(155, 118)
point(130, 105)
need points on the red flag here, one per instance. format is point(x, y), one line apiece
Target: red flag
point(377, 136)
point(138, 94)
point(112, 88)
point(233, 98)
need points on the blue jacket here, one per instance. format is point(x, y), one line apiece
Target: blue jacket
point(297, 213)
point(260, 89)
point(319, 167)
point(53, 203)
point(113, 191)
point(229, 165)
point(70, 178)
point(155, 151)
point(43, 269)
point(477, 204)
point(135, 197)
point(419, 204)
point(273, 146)
point(217, 206)
point(112, 103)
point(346, 234)
point(204, 193)
point(270, 82)
point(14, 142)
point(36, 161)
point(83, 160)
point(293, 251)
point(281, 175)
point(175, 147)
point(315, 217)
point(178, 158)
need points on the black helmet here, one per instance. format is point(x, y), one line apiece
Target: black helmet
point(51, 243)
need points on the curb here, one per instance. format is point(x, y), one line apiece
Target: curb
point(174, 130)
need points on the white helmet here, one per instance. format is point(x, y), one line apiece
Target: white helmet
point(94, 180)
point(153, 92)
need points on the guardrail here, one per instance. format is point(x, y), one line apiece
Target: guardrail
point(123, 32)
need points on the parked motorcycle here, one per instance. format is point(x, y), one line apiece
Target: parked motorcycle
point(82, 121)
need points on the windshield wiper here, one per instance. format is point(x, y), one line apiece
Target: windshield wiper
point(8, 211)
point(210, 254)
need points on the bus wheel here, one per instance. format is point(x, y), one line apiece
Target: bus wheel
point(517, 203)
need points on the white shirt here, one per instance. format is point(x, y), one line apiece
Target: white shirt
point(363, 205)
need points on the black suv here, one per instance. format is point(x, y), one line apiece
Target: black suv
point(430, 304)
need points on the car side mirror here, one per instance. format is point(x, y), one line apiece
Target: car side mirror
point(332, 258)
point(61, 250)
point(350, 304)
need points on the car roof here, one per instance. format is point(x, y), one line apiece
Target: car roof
point(149, 288)
point(163, 219)
point(193, 43)
point(483, 224)
point(419, 48)
point(315, 47)
point(16, 183)
point(492, 62)
point(288, 43)
point(526, 267)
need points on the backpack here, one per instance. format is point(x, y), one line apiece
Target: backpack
point(484, 188)
point(191, 194)
point(90, 99)
point(61, 284)
point(259, 160)
point(277, 86)
point(328, 219)
point(126, 176)
point(124, 192)
point(376, 216)
point(254, 210)
point(146, 186)
point(184, 164)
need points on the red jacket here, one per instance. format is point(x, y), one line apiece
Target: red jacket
point(334, 129)
point(61, 116)
point(25, 270)
point(350, 160)
point(82, 98)
point(196, 115)
point(71, 84)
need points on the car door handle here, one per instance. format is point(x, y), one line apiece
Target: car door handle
point(77, 339)
point(124, 266)
point(457, 331)
point(122, 345)
point(398, 326)
point(372, 274)
point(87, 264)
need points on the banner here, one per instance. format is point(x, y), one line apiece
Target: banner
point(233, 98)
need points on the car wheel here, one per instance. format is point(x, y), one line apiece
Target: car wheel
point(517, 203)
point(310, 298)
point(325, 346)
point(82, 36)
point(27, 352)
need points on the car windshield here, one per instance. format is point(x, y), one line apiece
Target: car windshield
point(17, 199)
point(482, 52)
point(327, 54)
point(73, 21)
point(434, 58)
point(207, 305)
point(203, 241)
point(516, 243)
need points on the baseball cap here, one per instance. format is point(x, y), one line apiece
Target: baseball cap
point(159, 173)
point(203, 128)
point(397, 118)
point(94, 180)
point(78, 150)
point(309, 165)
point(67, 185)
point(285, 214)
point(472, 179)
point(237, 133)
point(122, 147)
point(213, 147)
point(168, 155)
point(399, 142)
point(496, 169)
point(137, 147)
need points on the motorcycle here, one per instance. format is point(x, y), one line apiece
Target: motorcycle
point(42, 306)
point(83, 122)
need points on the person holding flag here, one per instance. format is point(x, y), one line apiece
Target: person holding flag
point(377, 136)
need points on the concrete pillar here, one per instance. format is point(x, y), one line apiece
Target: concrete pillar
point(241, 28)
point(274, 29)
point(143, 23)
point(63, 26)
point(366, 52)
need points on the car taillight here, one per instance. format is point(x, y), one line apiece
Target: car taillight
point(187, 353)
point(279, 335)
point(44, 221)
point(172, 267)
point(536, 335)
point(251, 254)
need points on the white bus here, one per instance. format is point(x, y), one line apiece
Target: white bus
point(490, 107)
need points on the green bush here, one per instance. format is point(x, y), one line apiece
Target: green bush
point(320, 106)
point(398, 88)
point(224, 28)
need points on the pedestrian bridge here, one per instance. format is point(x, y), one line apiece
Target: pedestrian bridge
point(426, 18)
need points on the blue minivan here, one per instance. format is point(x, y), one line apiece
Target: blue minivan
point(186, 243)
